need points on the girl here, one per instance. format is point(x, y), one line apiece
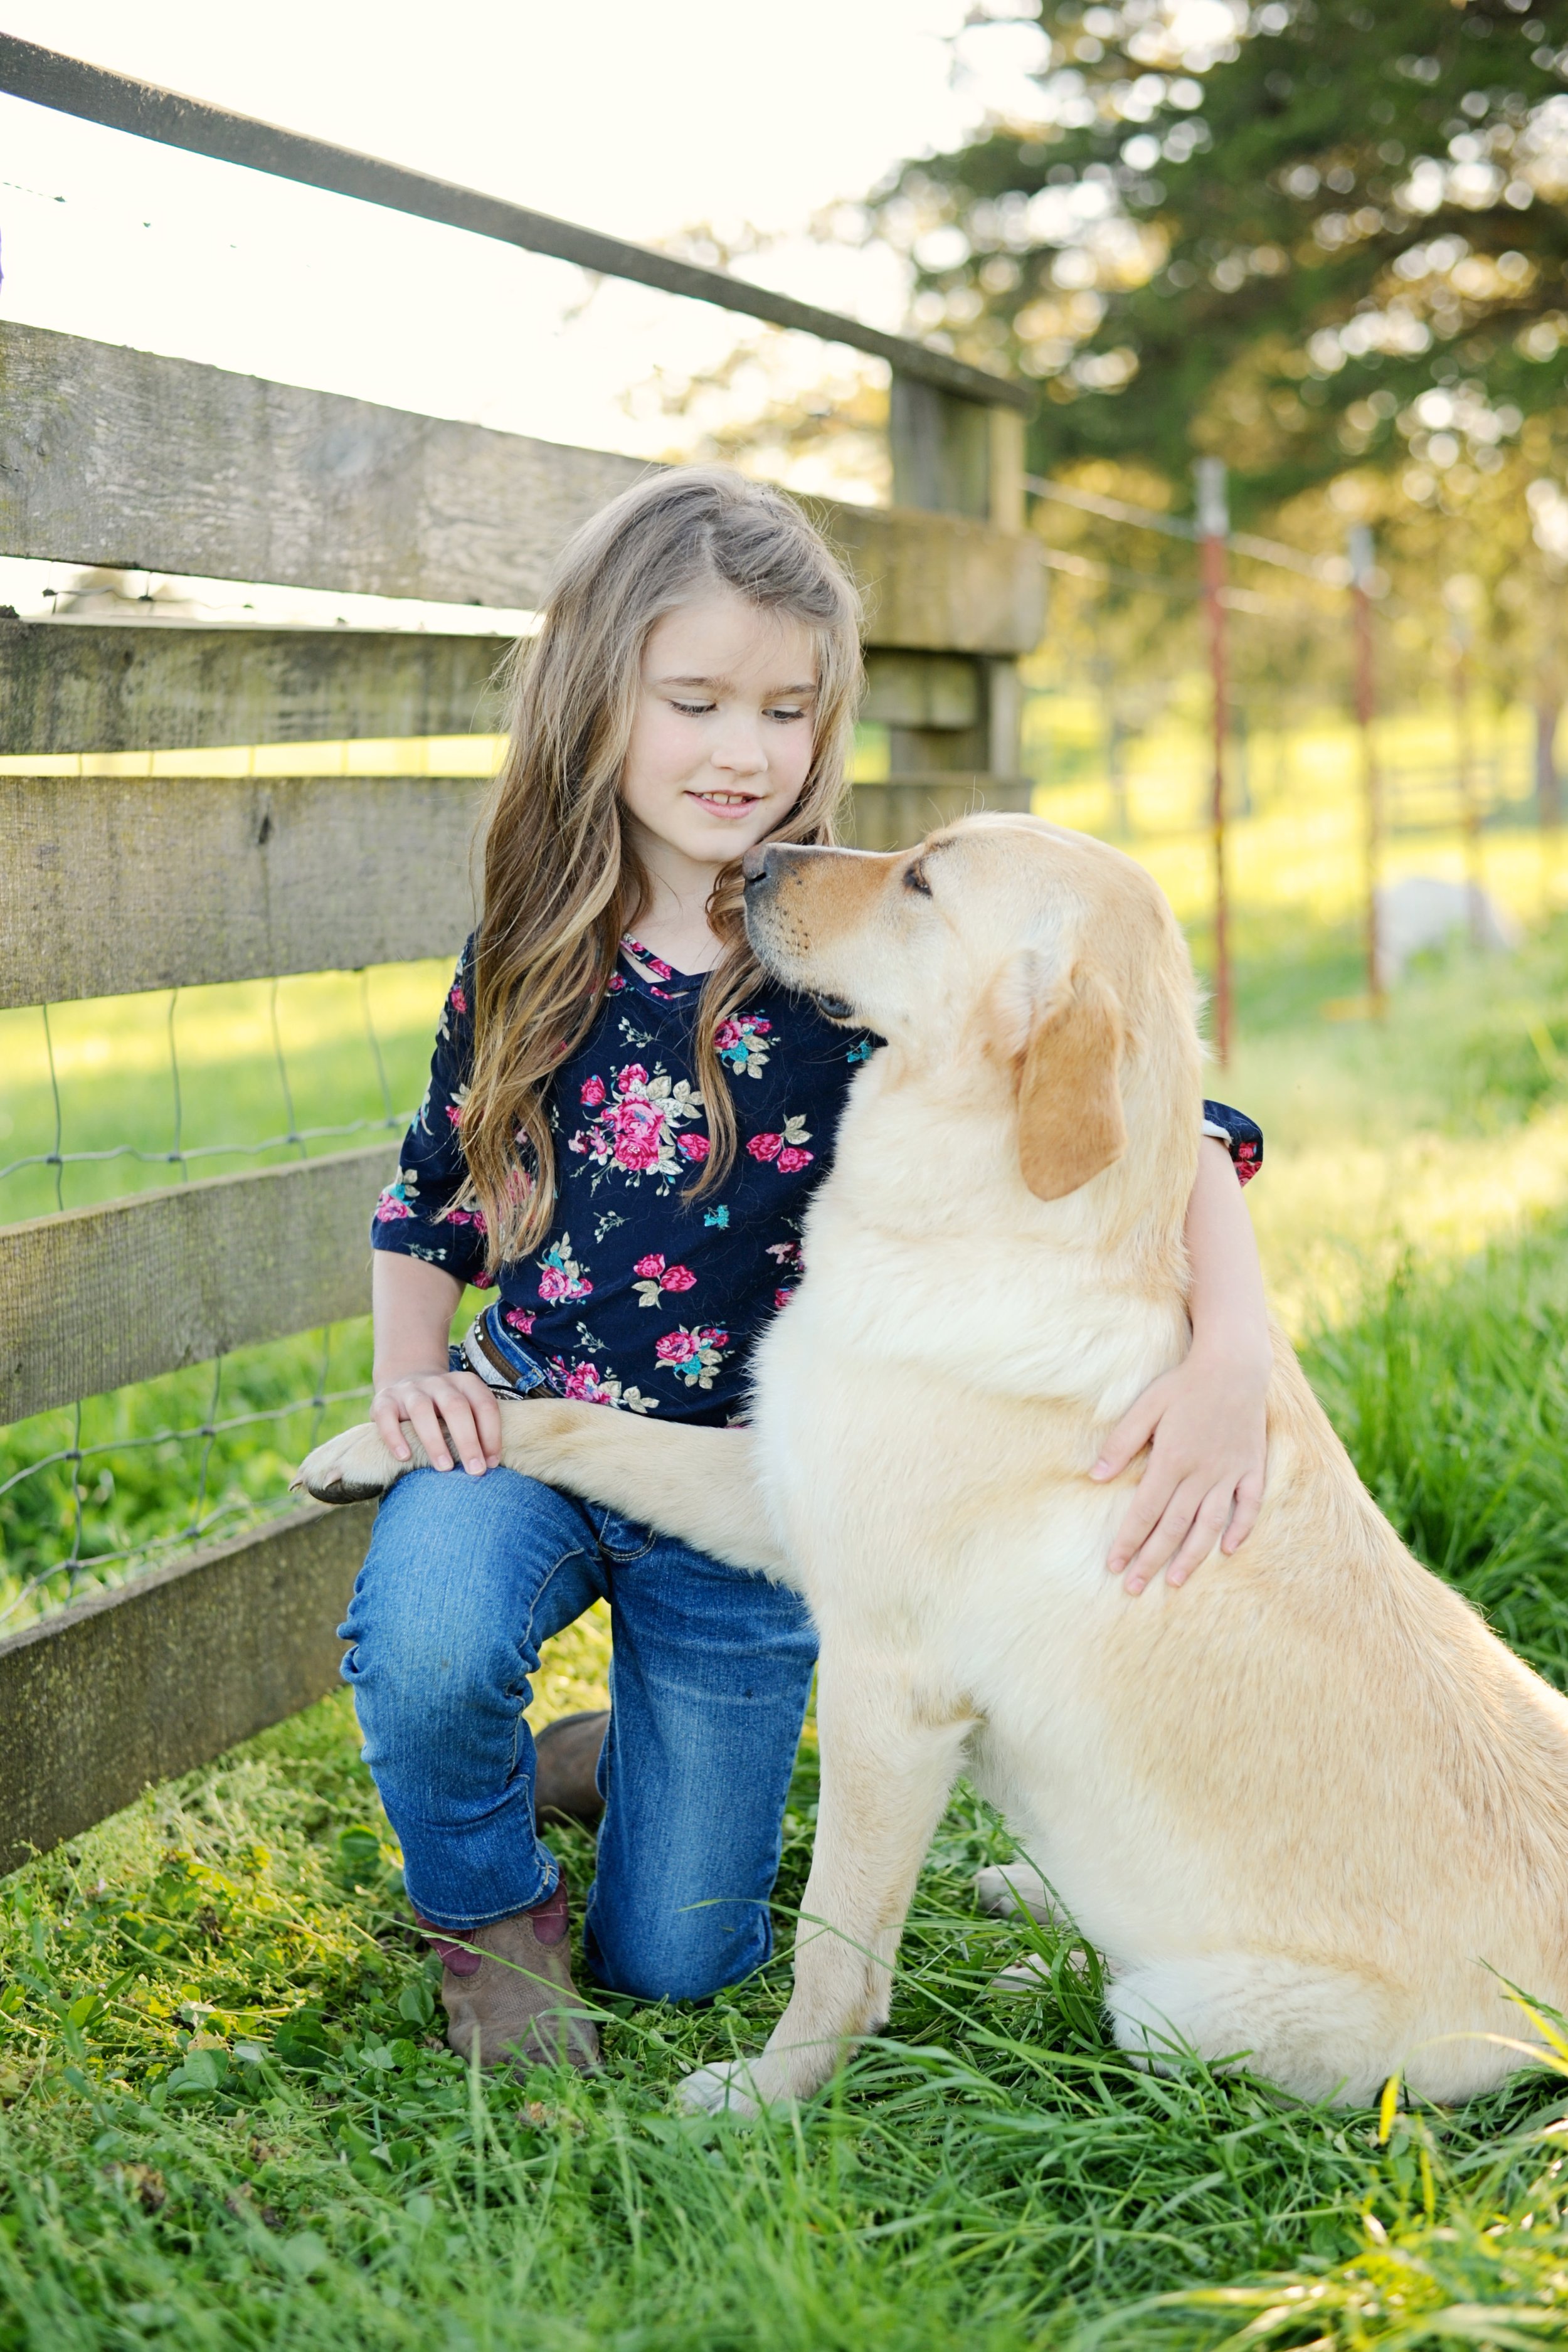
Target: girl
point(623, 1125)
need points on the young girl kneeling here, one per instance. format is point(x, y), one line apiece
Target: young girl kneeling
point(624, 1123)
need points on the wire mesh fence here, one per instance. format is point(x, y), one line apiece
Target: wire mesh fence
point(103, 1102)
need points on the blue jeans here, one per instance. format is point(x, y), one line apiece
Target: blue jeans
point(464, 1579)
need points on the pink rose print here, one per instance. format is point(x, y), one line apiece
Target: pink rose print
point(517, 1318)
point(657, 1276)
point(631, 1129)
point(694, 1356)
point(454, 1113)
point(635, 1127)
point(783, 1298)
point(389, 1206)
point(559, 1276)
point(741, 1043)
point(784, 1151)
point(590, 1386)
point(457, 999)
point(693, 1146)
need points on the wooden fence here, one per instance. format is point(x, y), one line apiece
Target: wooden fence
point(111, 457)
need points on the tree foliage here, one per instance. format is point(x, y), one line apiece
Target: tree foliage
point(1321, 234)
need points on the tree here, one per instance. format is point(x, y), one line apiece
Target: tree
point(1322, 235)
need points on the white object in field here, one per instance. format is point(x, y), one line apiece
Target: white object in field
point(1421, 911)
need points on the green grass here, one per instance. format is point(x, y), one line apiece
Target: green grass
point(230, 2120)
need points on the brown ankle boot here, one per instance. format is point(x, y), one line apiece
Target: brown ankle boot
point(508, 1987)
point(567, 1754)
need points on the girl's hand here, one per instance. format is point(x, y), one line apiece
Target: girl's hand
point(439, 1407)
point(1205, 1426)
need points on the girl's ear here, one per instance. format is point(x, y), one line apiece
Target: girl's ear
point(1071, 1122)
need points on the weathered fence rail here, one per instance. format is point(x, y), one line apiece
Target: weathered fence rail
point(114, 885)
point(94, 1298)
point(165, 686)
point(130, 1688)
point(168, 685)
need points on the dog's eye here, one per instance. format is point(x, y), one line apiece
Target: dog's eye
point(915, 879)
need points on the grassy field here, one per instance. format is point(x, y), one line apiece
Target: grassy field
point(230, 2121)
point(227, 2118)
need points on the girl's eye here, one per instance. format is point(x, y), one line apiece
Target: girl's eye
point(693, 709)
point(914, 879)
point(781, 712)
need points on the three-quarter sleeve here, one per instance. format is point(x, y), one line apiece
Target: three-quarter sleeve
point(415, 1215)
point(1241, 1137)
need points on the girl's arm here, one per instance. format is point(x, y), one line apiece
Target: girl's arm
point(1204, 1423)
point(414, 1303)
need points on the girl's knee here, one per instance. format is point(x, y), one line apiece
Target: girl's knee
point(441, 1627)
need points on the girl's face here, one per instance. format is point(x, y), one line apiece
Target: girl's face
point(721, 741)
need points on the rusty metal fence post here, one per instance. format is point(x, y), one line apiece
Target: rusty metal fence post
point(1214, 530)
point(1372, 782)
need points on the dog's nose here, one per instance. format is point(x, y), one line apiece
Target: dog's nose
point(754, 862)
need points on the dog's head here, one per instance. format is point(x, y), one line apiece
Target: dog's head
point(1001, 941)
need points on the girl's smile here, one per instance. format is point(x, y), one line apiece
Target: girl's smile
point(725, 806)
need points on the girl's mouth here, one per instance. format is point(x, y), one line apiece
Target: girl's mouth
point(725, 804)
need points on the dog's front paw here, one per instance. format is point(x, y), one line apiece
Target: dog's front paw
point(357, 1467)
point(726, 2090)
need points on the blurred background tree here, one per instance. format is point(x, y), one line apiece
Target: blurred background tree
point(1326, 241)
point(1321, 235)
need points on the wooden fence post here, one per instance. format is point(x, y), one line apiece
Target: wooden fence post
point(958, 457)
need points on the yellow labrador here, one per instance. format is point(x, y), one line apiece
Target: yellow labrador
point(1308, 1807)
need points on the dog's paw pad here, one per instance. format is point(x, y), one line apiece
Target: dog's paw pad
point(356, 1467)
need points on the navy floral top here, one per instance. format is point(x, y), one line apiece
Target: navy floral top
point(640, 1297)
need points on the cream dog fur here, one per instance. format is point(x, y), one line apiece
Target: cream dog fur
point(1311, 1811)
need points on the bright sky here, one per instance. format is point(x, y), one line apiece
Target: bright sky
point(637, 119)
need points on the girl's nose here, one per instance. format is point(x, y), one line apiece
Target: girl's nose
point(739, 750)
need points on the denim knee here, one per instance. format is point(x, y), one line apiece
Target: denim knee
point(442, 1619)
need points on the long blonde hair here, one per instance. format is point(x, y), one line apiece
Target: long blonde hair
point(561, 881)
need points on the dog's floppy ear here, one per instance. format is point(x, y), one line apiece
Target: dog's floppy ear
point(1070, 1121)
